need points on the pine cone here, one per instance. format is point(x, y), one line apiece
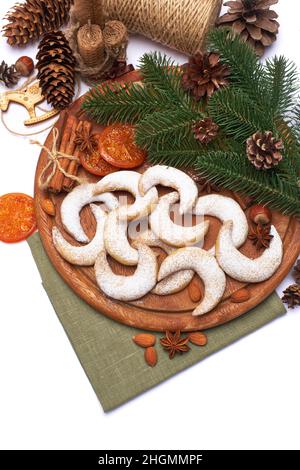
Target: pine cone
point(292, 296)
point(55, 64)
point(30, 20)
point(296, 272)
point(8, 74)
point(253, 21)
point(263, 150)
point(205, 130)
point(204, 74)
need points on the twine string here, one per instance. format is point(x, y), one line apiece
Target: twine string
point(180, 24)
point(54, 157)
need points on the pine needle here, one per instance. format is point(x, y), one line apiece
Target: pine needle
point(128, 103)
point(230, 171)
point(162, 129)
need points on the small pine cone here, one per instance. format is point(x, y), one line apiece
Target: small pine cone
point(296, 272)
point(263, 150)
point(28, 21)
point(253, 21)
point(292, 296)
point(8, 74)
point(205, 130)
point(56, 70)
point(204, 74)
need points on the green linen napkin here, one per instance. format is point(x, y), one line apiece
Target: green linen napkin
point(114, 365)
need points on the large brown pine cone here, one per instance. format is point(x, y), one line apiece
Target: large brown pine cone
point(263, 150)
point(28, 21)
point(204, 74)
point(55, 64)
point(253, 21)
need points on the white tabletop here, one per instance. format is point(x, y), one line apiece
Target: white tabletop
point(245, 396)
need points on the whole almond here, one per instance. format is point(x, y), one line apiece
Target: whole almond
point(194, 290)
point(198, 338)
point(160, 258)
point(240, 296)
point(151, 356)
point(48, 207)
point(145, 340)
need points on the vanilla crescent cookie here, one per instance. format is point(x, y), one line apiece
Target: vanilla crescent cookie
point(207, 268)
point(116, 241)
point(224, 208)
point(175, 282)
point(128, 181)
point(82, 255)
point(128, 288)
point(171, 233)
point(73, 203)
point(171, 177)
point(242, 268)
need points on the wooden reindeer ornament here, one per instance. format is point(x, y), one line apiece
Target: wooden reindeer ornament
point(28, 97)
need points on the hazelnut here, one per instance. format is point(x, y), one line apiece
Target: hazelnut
point(24, 66)
point(260, 214)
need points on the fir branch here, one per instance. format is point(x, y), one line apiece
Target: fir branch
point(165, 129)
point(162, 73)
point(128, 103)
point(177, 158)
point(237, 114)
point(231, 171)
point(281, 85)
point(246, 72)
point(296, 122)
point(291, 159)
point(185, 152)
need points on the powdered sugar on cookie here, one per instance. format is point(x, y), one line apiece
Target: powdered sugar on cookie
point(173, 178)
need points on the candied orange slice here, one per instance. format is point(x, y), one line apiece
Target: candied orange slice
point(17, 217)
point(117, 146)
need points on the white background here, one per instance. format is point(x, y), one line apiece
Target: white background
point(244, 397)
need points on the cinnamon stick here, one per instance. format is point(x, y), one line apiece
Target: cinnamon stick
point(72, 169)
point(66, 146)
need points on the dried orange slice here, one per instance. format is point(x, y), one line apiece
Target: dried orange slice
point(117, 146)
point(96, 165)
point(17, 217)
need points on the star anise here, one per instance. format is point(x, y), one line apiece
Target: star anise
point(86, 140)
point(173, 343)
point(260, 236)
point(206, 186)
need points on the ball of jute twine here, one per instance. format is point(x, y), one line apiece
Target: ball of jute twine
point(179, 24)
point(85, 10)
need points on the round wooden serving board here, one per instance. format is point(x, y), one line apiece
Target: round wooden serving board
point(155, 312)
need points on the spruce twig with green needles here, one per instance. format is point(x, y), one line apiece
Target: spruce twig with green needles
point(260, 97)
